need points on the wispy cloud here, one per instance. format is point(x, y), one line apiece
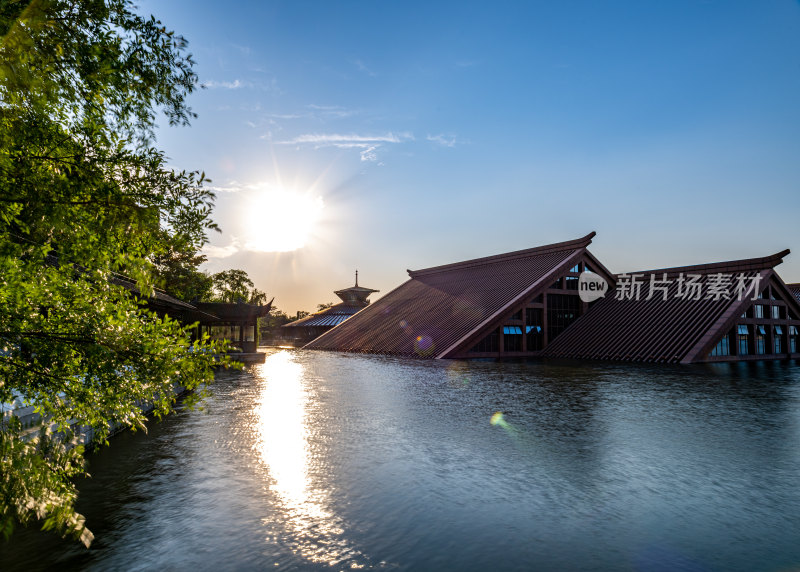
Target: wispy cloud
point(367, 144)
point(443, 140)
point(222, 251)
point(369, 154)
point(332, 111)
point(362, 67)
point(287, 115)
point(235, 187)
point(235, 84)
point(349, 140)
point(245, 50)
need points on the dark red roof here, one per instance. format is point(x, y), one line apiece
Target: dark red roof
point(232, 312)
point(794, 289)
point(440, 308)
point(658, 330)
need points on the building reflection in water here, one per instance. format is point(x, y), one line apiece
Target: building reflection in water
point(283, 417)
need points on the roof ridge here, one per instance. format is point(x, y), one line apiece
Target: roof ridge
point(744, 264)
point(538, 250)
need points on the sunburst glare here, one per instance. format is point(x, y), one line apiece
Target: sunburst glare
point(281, 220)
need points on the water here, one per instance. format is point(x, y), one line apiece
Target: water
point(327, 461)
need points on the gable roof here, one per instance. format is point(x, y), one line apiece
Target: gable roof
point(439, 309)
point(672, 330)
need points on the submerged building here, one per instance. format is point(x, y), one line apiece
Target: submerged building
point(529, 303)
point(738, 310)
point(511, 304)
point(302, 331)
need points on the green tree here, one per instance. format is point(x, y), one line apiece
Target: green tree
point(84, 193)
point(177, 272)
point(324, 306)
point(232, 286)
point(257, 297)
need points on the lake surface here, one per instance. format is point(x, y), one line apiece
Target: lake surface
point(320, 461)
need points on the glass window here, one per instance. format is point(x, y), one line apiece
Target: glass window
point(225, 332)
point(512, 338)
point(759, 310)
point(534, 333)
point(575, 268)
point(778, 340)
point(487, 344)
point(533, 316)
point(587, 268)
point(793, 339)
point(723, 348)
point(776, 312)
point(517, 316)
point(571, 283)
point(743, 335)
point(562, 310)
point(534, 338)
point(557, 284)
point(761, 339)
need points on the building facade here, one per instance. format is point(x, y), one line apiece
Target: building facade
point(528, 304)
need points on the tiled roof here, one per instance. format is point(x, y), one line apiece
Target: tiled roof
point(438, 309)
point(794, 289)
point(329, 317)
point(657, 330)
point(158, 294)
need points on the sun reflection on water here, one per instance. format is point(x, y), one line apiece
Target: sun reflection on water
point(282, 416)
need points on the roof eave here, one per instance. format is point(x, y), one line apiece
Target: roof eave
point(575, 244)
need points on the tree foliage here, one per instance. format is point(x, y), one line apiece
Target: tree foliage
point(233, 286)
point(85, 194)
point(178, 273)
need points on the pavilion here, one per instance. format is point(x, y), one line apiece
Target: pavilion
point(302, 331)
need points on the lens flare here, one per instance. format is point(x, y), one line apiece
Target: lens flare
point(424, 345)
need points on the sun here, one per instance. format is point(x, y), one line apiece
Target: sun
point(281, 220)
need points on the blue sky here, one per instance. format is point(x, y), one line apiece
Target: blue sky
point(391, 135)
